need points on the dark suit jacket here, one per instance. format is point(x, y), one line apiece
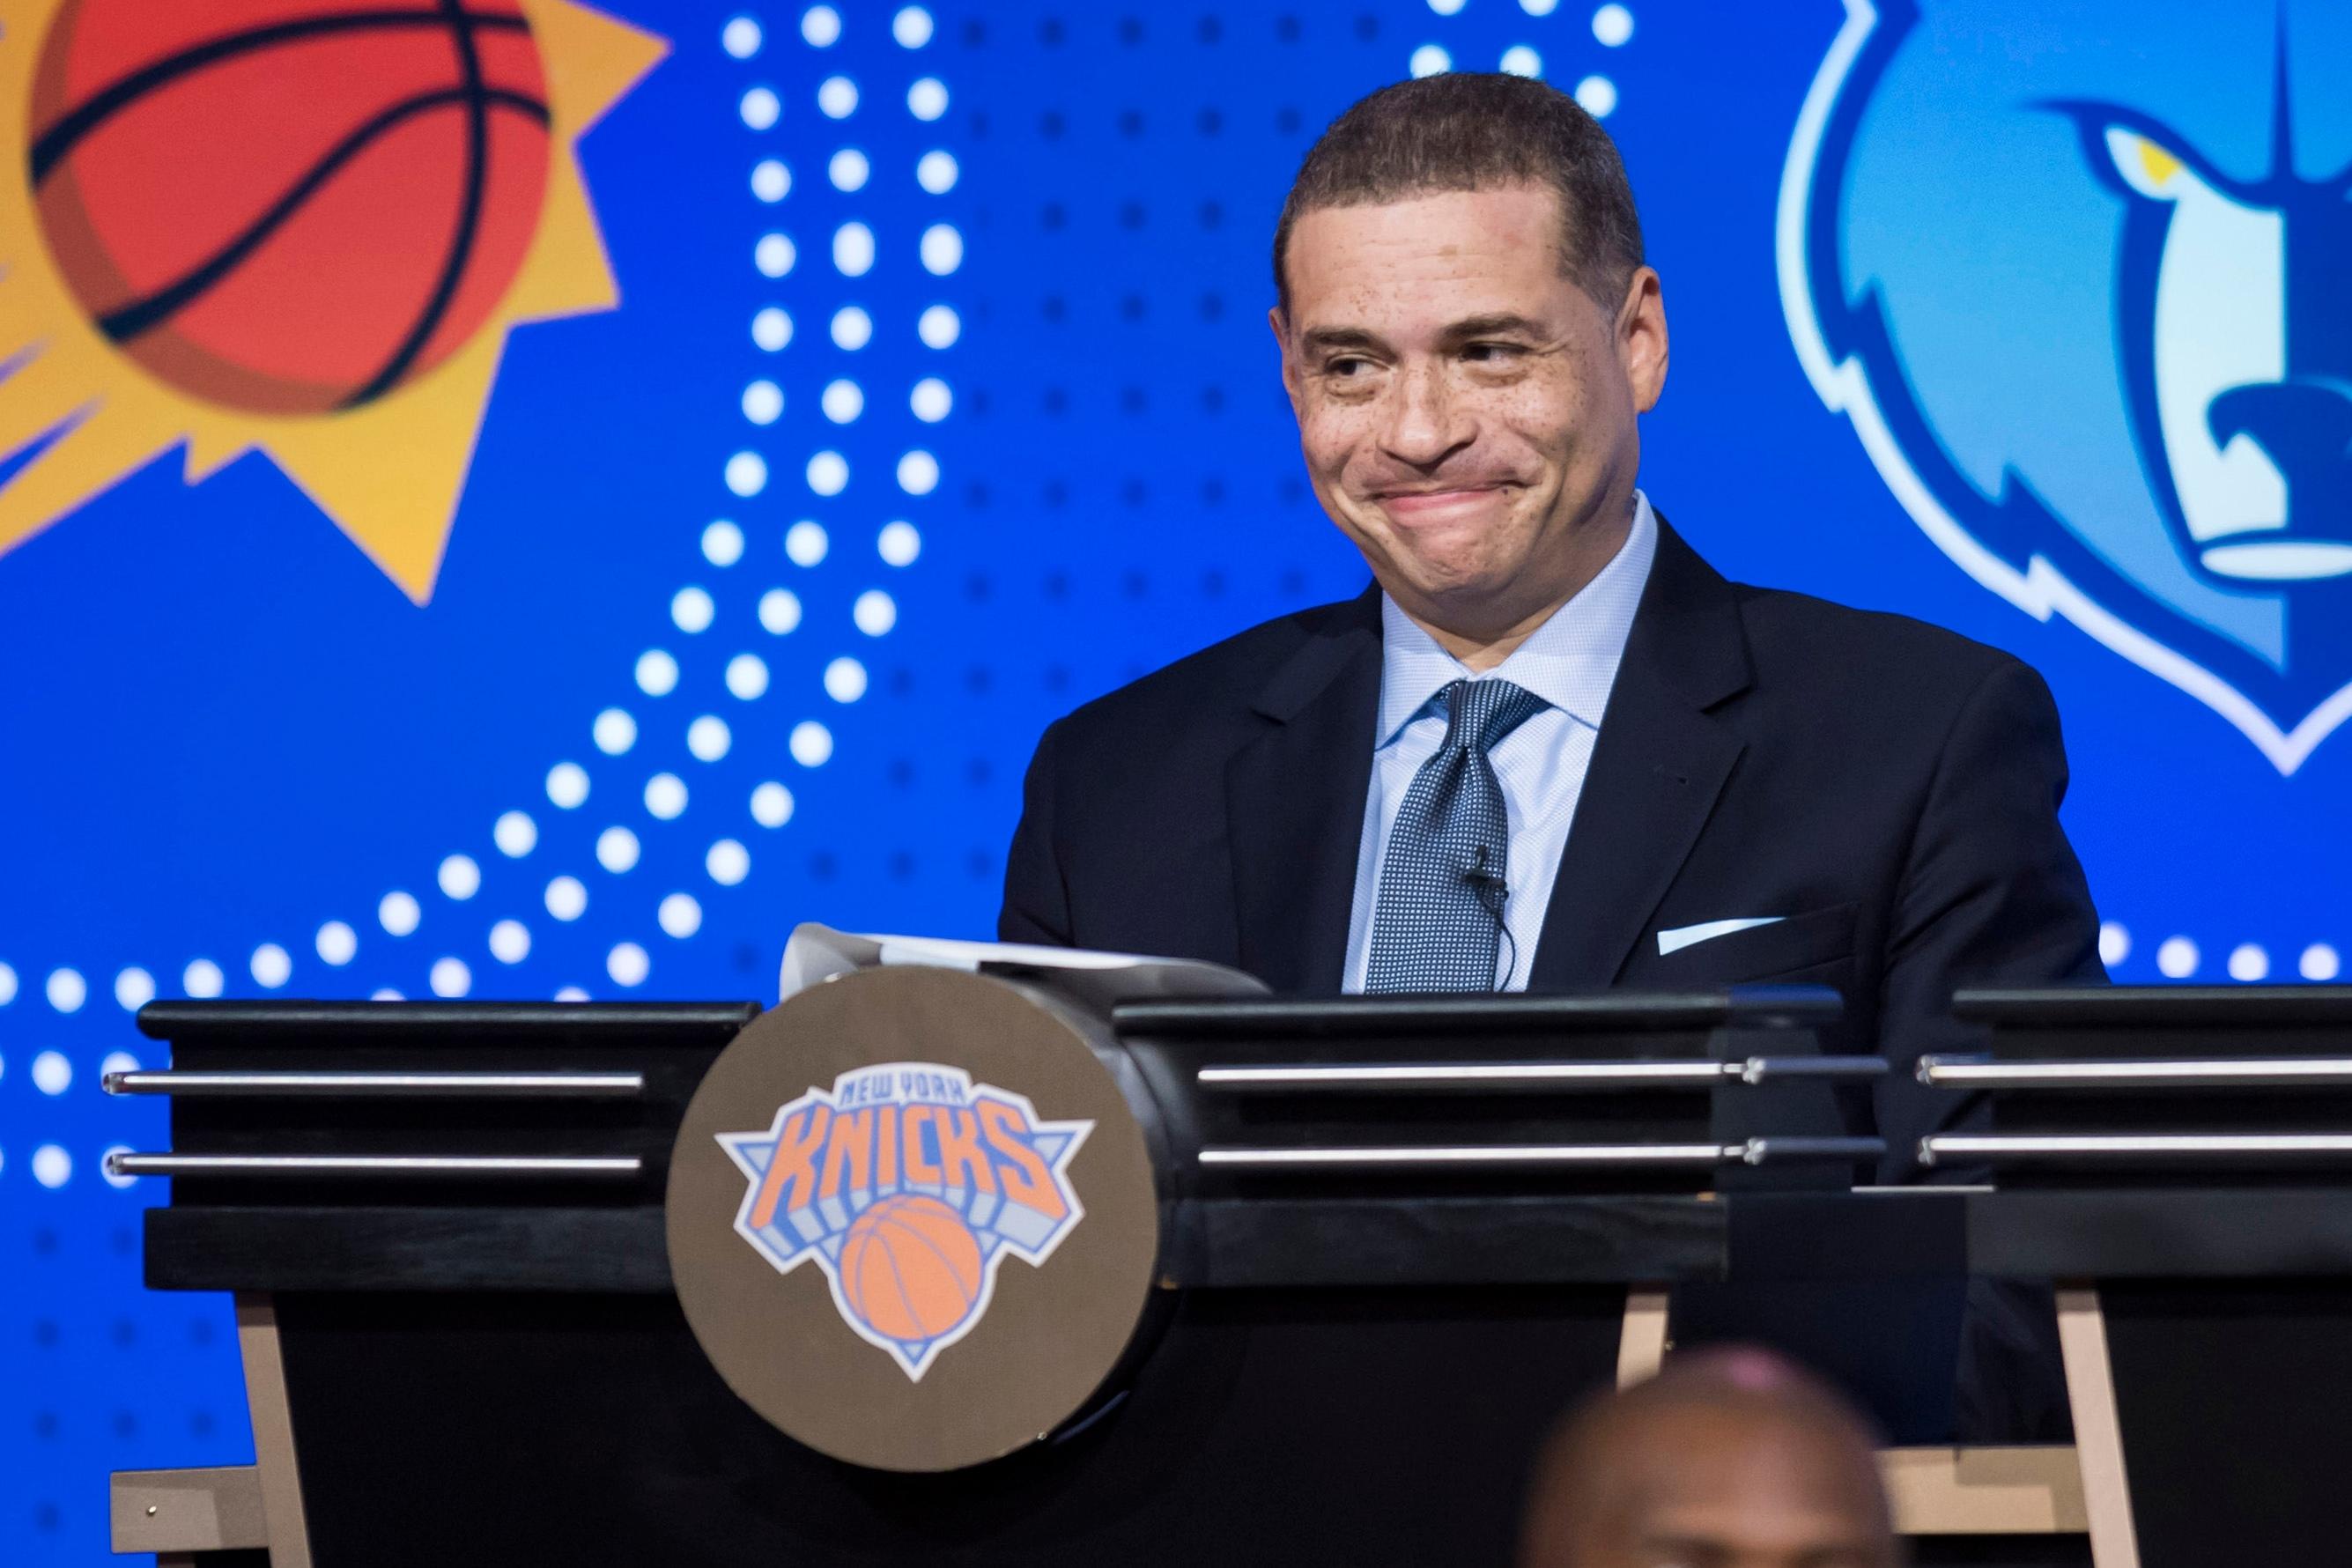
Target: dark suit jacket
point(1891, 788)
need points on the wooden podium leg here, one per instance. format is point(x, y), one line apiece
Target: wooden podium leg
point(2099, 1434)
point(1642, 1347)
point(273, 1430)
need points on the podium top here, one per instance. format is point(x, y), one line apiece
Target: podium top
point(2167, 1006)
point(253, 1022)
point(1509, 1013)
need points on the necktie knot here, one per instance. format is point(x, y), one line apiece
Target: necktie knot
point(1479, 713)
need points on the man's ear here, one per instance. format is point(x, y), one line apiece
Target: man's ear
point(1641, 338)
point(1281, 325)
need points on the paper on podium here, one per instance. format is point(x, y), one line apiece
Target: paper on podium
point(818, 952)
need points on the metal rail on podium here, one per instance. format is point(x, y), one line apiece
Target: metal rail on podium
point(1388, 1241)
point(2180, 1160)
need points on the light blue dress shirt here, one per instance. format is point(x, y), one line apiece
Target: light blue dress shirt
point(1570, 661)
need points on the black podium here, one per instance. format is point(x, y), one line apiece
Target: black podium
point(1398, 1238)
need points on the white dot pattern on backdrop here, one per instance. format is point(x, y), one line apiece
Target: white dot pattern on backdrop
point(478, 872)
point(680, 915)
point(515, 833)
point(627, 964)
point(398, 913)
point(728, 862)
point(133, 989)
point(747, 473)
point(691, 610)
point(52, 1074)
point(853, 250)
point(461, 877)
point(66, 990)
point(842, 401)
point(806, 543)
point(747, 677)
point(780, 610)
point(666, 796)
point(614, 730)
point(771, 805)
point(852, 328)
point(337, 944)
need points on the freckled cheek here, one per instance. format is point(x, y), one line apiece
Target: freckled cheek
point(1330, 438)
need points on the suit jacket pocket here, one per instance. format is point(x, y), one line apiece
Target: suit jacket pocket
point(1800, 942)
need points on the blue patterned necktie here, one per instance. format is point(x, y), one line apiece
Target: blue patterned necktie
point(1437, 917)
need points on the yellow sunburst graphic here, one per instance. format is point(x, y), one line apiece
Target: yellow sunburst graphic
point(103, 367)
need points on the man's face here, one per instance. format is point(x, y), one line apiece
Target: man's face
point(1708, 1489)
point(1466, 410)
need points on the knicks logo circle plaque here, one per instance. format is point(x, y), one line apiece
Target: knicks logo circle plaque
point(289, 206)
point(912, 1221)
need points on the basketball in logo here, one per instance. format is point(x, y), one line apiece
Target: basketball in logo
point(289, 206)
point(910, 1267)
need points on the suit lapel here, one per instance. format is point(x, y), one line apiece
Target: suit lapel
point(1657, 769)
point(1295, 803)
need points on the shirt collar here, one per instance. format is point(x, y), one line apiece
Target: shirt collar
point(1570, 661)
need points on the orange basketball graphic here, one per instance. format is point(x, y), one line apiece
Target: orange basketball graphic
point(289, 207)
point(910, 1267)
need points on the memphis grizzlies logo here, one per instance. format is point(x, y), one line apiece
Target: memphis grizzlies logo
point(907, 1185)
point(2077, 274)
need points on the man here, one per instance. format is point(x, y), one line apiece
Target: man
point(1550, 748)
point(1682, 782)
point(1727, 1459)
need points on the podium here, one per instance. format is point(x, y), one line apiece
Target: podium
point(1390, 1241)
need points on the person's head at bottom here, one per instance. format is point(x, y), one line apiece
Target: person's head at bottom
point(1729, 1459)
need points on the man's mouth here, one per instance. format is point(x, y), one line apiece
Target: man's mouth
point(1421, 505)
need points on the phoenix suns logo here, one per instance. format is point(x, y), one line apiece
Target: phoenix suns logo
point(907, 1185)
point(301, 226)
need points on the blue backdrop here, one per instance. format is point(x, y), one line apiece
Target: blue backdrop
point(761, 585)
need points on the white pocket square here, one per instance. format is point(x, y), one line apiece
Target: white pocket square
point(1681, 937)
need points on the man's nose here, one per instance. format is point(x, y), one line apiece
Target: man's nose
point(1424, 421)
point(2304, 427)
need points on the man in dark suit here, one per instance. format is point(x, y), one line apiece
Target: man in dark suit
point(1551, 748)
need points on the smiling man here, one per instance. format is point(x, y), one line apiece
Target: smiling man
point(1549, 748)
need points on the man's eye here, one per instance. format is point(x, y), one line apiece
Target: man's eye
point(1346, 369)
point(1491, 353)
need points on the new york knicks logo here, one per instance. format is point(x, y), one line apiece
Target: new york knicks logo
point(2075, 273)
point(909, 1186)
